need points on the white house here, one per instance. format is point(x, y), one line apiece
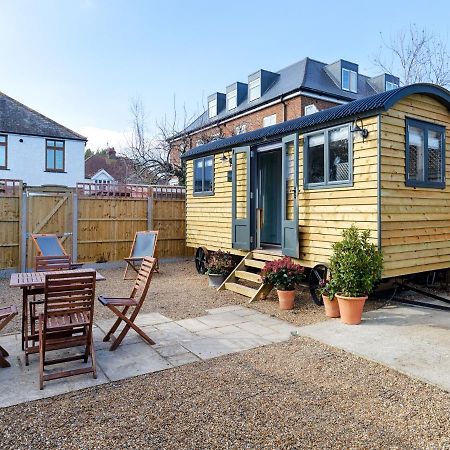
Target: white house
point(103, 177)
point(37, 150)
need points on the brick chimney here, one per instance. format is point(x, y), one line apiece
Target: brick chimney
point(111, 153)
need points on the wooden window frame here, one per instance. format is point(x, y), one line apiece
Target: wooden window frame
point(326, 184)
point(5, 146)
point(203, 192)
point(425, 126)
point(54, 148)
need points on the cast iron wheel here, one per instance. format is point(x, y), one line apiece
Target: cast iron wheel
point(200, 260)
point(316, 275)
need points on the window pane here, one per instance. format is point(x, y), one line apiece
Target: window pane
point(198, 175)
point(2, 156)
point(241, 185)
point(254, 90)
point(346, 79)
point(338, 154)
point(232, 99)
point(208, 184)
point(2, 139)
point(416, 153)
point(289, 176)
point(212, 108)
point(59, 160)
point(59, 144)
point(50, 159)
point(50, 143)
point(316, 161)
point(434, 156)
point(353, 81)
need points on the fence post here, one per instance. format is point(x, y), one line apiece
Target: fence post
point(23, 232)
point(75, 228)
point(150, 210)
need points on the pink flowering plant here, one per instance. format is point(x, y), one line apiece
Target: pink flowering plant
point(327, 288)
point(219, 263)
point(283, 274)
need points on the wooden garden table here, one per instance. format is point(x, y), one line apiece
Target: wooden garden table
point(33, 283)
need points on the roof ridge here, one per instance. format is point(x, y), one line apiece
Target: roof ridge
point(42, 115)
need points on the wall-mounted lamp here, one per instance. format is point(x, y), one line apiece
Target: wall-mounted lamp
point(364, 132)
point(20, 140)
point(224, 159)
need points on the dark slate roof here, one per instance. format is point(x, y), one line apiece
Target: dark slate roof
point(306, 75)
point(20, 119)
point(355, 109)
point(119, 167)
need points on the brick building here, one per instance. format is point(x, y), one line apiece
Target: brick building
point(268, 98)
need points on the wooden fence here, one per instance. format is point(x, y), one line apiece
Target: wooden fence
point(96, 223)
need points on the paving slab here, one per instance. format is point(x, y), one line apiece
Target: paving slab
point(415, 341)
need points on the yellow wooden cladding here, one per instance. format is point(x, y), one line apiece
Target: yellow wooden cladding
point(415, 228)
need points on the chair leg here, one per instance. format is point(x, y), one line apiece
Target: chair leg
point(4, 363)
point(3, 352)
point(116, 325)
point(41, 354)
point(94, 366)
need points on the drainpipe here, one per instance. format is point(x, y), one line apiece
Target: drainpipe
point(283, 102)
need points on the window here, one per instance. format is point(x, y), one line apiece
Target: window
point(349, 80)
point(425, 154)
point(212, 108)
point(232, 99)
point(254, 89)
point(390, 85)
point(3, 151)
point(328, 158)
point(54, 156)
point(204, 175)
point(310, 109)
point(269, 120)
point(241, 128)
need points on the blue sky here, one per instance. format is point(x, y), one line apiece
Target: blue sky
point(81, 61)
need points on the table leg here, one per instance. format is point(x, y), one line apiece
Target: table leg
point(24, 313)
point(25, 324)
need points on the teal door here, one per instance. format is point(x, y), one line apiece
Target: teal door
point(241, 198)
point(289, 194)
point(269, 164)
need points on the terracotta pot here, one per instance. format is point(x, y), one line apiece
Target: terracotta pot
point(215, 280)
point(331, 307)
point(351, 309)
point(286, 299)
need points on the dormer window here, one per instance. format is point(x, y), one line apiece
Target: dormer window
point(349, 80)
point(254, 89)
point(390, 85)
point(212, 108)
point(232, 99)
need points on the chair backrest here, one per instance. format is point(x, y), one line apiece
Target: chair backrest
point(69, 293)
point(144, 244)
point(143, 279)
point(51, 263)
point(48, 245)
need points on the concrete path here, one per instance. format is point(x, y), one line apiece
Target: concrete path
point(415, 341)
point(222, 331)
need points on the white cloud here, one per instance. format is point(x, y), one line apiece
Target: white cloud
point(99, 138)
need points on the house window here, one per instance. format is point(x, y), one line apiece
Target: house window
point(212, 108)
point(204, 175)
point(54, 156)
point(328, 158)
point(269, 120)
point(232, 99)
point(310, 109)
point(241, 128)
point(349, 80)
point(390, 85)
point(425, 154)
point(3, 151)
point(254, 89)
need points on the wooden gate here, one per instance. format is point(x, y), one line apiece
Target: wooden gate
point(49, 210)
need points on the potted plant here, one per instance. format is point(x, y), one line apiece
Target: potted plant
point(356, 266)
point(218, 266)
point(285, 276)
point(326, 290)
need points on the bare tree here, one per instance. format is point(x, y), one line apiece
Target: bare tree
point(417, 55)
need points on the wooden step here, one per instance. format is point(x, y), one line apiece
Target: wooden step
point(265, 256)
point(242, 274)
point(243, 290)
point(254, 263)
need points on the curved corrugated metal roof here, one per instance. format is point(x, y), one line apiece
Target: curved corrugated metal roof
point(355, 109)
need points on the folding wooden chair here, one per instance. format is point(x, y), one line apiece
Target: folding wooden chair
point(50, 245)
point(67, 321)
point(144, 244)
point(135, 300)
point(45, 264)
point(6, 315)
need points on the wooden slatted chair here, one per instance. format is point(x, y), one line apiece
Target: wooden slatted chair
point(45, 264)
point(144, 244)
point(136, 300)
point(67, 322)
point(6, 315)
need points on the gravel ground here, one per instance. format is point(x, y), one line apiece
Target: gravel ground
point(179, 292)
point(300, 394)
